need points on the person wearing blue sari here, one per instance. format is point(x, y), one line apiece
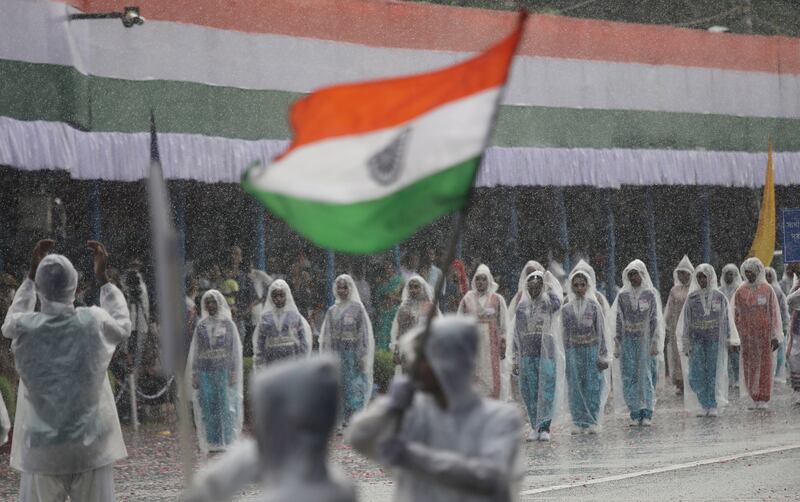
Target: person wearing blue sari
point(347, 331)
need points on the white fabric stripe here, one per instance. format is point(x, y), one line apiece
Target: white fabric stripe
point(335, 170)
point(126, 157)
point(36, 31)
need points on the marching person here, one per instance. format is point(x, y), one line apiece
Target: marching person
point(489, 309)
point(215, 373)
point(758, 320)
point(282, 332)
point(706, 334)
point(637, 324)
point(67, 434)
point(731, 280)
point(681, 277)
point(442, 441)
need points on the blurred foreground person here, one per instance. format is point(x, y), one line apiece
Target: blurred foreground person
point(758, 320)
point(66, 430)
point(214, 371)
point(489, 308)
point(583, 335)
point(441, 439)
point(793, 349)
point(637, 324)
point(780, 354)
point(706, 333)
point(538, 359)
point(347, 332)
point(282, 331)
point(295, 408)
point(730, 282)
point(681, 277)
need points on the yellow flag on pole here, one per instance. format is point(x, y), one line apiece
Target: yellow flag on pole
point(763, 246)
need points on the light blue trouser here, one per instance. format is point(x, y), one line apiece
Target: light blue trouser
point(780, 362)
point(218, 414)
point(733, 368)
point(539, 405)
point(354, 383)
point(638, 383)
point(703, 371)
point(585, 383)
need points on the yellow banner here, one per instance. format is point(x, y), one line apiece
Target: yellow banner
point(764, 241)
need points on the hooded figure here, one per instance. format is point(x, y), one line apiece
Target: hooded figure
point(637, 324)
point(758, 320)
point(793, 350)
point(510, 383)
point(681, 278)
point(787, 281)
point(214, 371)
point(66, 430)
point(729, 282)
point(536, 356)
point(415, 305)
point(706, 333)
point(443, 441)
point(347, 331)
point(780, 354)
point(295, 406)
point(489, 308)
point(282, 332)
point(583, 334)
point(600, 297)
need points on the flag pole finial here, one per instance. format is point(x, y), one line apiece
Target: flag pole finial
point(154, 154)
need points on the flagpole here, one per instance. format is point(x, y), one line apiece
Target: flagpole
point(461, 215)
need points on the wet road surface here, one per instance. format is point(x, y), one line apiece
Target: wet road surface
point(742, 455)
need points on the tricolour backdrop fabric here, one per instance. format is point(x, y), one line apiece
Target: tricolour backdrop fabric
point(589, 102)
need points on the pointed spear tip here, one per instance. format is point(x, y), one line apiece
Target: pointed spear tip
point(154, 154)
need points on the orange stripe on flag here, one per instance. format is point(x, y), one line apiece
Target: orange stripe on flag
point(368, 106)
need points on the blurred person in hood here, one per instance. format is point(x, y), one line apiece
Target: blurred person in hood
point(67, 433)
point(730, 280)
point(442, 440)
point(681, 277)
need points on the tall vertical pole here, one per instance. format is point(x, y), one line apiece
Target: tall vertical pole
point(331, 272)
point(563, 230)
point(180, 228)
point(261, 238)
point(651, 238)
point(707, 251)
point(611, 248)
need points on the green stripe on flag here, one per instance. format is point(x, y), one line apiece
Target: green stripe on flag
point(46, 92)
point(374, 225)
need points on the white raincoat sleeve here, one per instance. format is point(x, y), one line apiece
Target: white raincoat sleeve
point(116, 326)
point(24, 302)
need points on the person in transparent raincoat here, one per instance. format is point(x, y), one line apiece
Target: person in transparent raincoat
point(729, 281)
point(793, 349)
point(600, 297)
point(489, 308)
point(415, 305)
point(780, 354)
point(509, 389)
point(214, 371)
point(67, 434)
point(281, 332)
point(347, 331)
point(5, 422)
point(706, 334)
point(637, 324)
point(295, 409)
point(758, 321)
point(440, 439)
point(537, 358)
point(681, 278)
point(582, 332)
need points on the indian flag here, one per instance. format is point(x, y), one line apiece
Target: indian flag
point(371, 162)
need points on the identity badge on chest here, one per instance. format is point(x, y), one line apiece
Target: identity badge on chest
point(644, 304)
point(761, 300)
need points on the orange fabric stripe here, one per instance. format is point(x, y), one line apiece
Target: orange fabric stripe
point(437, 27)
point(367, 106)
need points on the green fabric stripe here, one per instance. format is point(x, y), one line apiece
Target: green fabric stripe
point(376, 225)
point(58, 93)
